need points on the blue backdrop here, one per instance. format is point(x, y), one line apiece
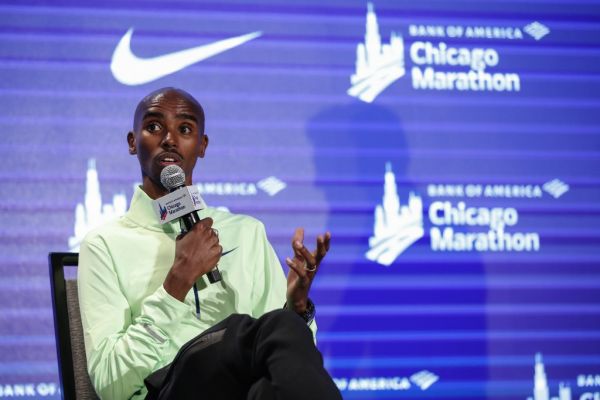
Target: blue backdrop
point(451, 147)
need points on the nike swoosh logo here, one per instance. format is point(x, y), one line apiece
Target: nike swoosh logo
point(228, 251)
point(131, 70)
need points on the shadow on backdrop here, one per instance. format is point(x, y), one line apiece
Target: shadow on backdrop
point(352, 144)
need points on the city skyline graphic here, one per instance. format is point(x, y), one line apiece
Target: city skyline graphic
point(92, 213)
point(396, 227)
point(541, 391)
point(378, 65)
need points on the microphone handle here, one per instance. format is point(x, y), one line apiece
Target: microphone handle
point(186, 223)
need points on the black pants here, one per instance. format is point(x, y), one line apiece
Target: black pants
point(273, 357)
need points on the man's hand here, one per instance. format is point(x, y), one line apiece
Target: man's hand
point(196, 253)
point(303, 268)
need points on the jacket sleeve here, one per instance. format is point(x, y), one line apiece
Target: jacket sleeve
point(270, 283)
point(120, 351)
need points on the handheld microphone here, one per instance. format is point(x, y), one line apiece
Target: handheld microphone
point(172, 178)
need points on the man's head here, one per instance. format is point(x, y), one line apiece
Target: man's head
point(168, 128)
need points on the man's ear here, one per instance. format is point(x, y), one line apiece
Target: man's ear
point(131, 142)
point(203, 145)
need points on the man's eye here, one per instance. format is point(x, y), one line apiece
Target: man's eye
point(185, 129)
point(153, 127)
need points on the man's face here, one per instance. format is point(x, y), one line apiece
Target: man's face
point(167, 130)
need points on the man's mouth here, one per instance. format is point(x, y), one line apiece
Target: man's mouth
point(165, 159)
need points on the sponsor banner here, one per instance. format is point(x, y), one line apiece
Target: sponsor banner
point(30, 389)
point(421, 380)
point(270, 185)
point(455, 224)
point(131, 70)
point(434, 62)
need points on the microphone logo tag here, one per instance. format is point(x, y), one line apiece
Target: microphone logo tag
point(196, 199)
point(163, 212)
point(178, 203)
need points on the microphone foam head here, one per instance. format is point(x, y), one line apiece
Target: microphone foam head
point(172, 177)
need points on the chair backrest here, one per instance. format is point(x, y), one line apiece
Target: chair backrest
point(70, 346)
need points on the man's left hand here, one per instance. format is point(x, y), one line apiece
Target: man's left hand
point(303, 268)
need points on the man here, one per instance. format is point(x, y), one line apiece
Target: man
point(136, 276)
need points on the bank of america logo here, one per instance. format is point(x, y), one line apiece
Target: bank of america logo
point(377, 65)
point(424, 379)
point(556, 188)
point(271, 185)
point(536, 30)
point(396, 227)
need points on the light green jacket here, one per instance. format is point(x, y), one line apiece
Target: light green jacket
point(132, 326)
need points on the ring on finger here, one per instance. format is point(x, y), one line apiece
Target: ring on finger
point(312, 269)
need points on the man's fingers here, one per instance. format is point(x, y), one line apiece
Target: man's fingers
point(205, 230)
point(298, 269)
point(210, 237)
point(207, 222)
point(298, 244)
point(327, 240)
point(216, 251)
point(321, 248)
point(298, 236)
point(323, 242)
point(303, 252)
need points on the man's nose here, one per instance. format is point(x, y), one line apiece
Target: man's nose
point(169, 139)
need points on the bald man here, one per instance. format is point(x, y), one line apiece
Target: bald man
point(251, 338)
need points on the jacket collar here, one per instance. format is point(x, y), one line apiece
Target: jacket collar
point(141, 212)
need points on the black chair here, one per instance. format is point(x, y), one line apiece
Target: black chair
point(70, 346)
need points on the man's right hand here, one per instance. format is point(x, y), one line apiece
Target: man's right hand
point(196, 253)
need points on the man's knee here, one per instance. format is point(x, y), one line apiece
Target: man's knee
point(287, 326)
point(284, 318)
point(283, 335)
